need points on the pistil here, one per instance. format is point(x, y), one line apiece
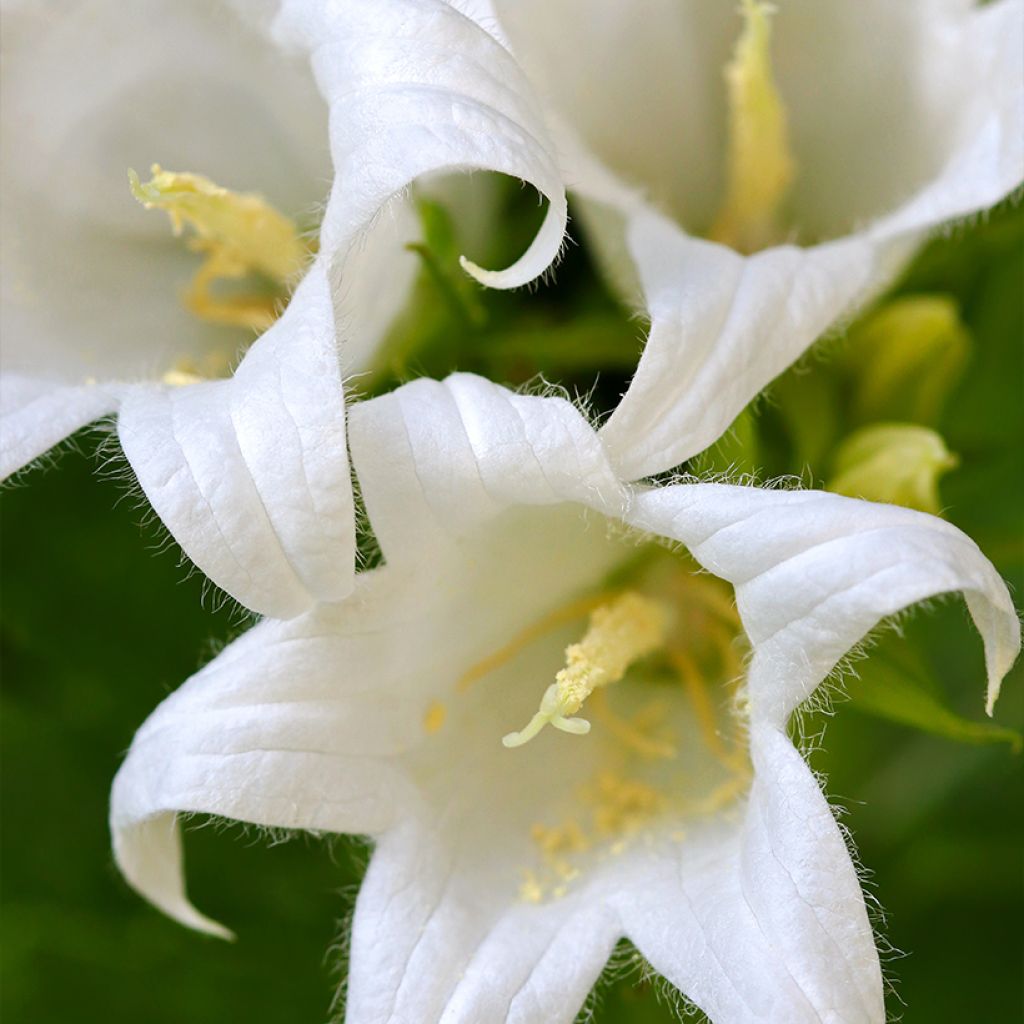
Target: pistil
point(621, 632)
point(760, 164)
point(240, 235)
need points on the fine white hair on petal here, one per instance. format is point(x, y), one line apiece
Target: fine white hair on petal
point(762, 917)
point(482, 448)
point(814, 572)
point(36, 414)
point(268, 733)
point(249, 474)
point(722, 327)
point(494, 509)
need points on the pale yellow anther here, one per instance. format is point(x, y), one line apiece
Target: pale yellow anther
point(621, 631)
point(760, 165)
point(239, 234)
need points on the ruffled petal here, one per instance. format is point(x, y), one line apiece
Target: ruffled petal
point(435, 459)
point(815, 572)
point(723, 326)
point(292, 726)
point(763, 919)
point(37, 414)
point(250, 474)
point(415, 88)
point(432, 940)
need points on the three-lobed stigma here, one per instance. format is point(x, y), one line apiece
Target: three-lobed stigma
point(622, 630)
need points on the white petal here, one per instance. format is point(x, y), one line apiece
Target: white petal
point(436, 459)
point(986, 161)
point(765, 920)
point(432, 941)
point(35, 415)
point(815, 572)
point(415, 88)
point(375, 282)
point(287, 728)
point(723, 326)
point(319, 722)
point(250, 474)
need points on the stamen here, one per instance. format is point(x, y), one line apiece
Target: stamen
point(621, 632)
point(697, 691)
point(631, 733)
point(701, 701)
point(760, 164)
point(240, 234)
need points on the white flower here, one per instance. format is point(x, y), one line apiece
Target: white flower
point(502, 878)
point(896, 117)
point(872, 123)
point(242, 468)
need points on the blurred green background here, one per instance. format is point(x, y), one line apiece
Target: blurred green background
point(98, 627)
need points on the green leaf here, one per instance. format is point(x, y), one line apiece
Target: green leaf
point(898, 693)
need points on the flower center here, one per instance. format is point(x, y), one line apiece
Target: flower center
point(760, 164)
point(241, 237)
point(655, 664)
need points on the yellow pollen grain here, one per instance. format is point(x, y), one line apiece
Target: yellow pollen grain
point(435, 717)
point(620, 806)
point(531, 891)
point(238, 234)
point(723, 794)
point(557, 841)
point(759, 166)
point(191, 371)
point(616, 809)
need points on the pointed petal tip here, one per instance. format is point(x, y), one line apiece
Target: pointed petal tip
point(510, 277)
point(191, 918)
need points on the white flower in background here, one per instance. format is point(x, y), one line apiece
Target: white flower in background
point(93, 285)
point(816, 141)
point(646, 786)
point(104, 310)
